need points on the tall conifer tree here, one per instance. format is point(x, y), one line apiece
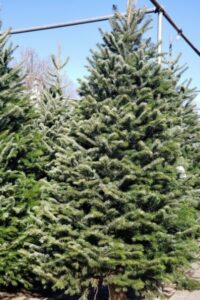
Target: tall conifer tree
point(117, 210)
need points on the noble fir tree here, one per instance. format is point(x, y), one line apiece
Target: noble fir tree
point(115, 209)
point(21, 168)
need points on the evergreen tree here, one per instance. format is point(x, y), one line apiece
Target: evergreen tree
point(116, 209)
point(189, 129)
point(54, 110)
point(21, 161)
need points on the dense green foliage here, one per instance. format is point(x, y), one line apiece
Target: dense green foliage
point(103, 190)
point(20, 167)
point(115, 208)
point(54, 110)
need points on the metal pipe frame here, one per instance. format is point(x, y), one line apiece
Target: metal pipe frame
point(160, 23)
point(70, 23)
point(174, 25)
point(158, 9)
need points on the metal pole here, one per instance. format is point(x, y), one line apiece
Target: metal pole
point(129, 4)
point(129, 9)
point(160, 23)
point(70, 23)
point(174, 25)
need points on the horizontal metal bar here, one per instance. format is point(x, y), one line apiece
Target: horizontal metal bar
point(174, 25)
point(70, 23)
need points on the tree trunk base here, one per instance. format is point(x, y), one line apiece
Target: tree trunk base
point(114, 295)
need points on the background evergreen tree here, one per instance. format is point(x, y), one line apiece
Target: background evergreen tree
point(189, 131)
point(53, 104)
point(53, 120)
point(21, 167)
point(116, 210)
point(54, 110)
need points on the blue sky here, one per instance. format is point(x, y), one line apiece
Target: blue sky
point(77, 41)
